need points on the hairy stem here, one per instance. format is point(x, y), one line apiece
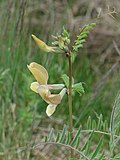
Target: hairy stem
point(70, 97)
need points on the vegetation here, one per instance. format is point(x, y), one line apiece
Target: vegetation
point(26, 132)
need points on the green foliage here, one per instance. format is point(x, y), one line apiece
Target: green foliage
point(62, 41)
point(94, 128)
point(64, 139)
point(65, 79)
point(94, 124)
point(105, 126)
point(102, 127)
point(58, 136)
point(100, 156)
point(115, 116)
point(115, 123)
point(89, 123)
point(3, 75)
point(78, 87)
point(50, 135)
point(19, 115)
point(65, 33)
point(96, 151)
point(88, 141)
point(75, 139)
point(100, 122)
point(68, 138)
point(99, 125)
point(81, 38)
point(78, 143)
point(117, 156)
point(72, 56)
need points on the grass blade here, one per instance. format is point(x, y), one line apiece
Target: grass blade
point(100, 157)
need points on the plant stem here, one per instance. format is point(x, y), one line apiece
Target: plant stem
point(70, 98)
point(61, 144)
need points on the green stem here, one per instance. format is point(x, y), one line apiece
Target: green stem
point(70, 98)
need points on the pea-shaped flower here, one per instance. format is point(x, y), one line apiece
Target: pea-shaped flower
point(44, 47)
point(43, 89)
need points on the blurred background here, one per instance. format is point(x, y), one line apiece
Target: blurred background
point(23, 120)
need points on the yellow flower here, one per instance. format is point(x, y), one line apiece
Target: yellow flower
point(42, 45)
point(43, 89)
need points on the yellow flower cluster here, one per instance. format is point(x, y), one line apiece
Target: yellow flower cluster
point(43, 89)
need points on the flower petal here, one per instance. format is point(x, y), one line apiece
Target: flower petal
point(34, 86)
point(50, 109)
point(42, 45)
point(39, 72)
point(54, 98)
point(62, 93)
point(55, 86)
point(48, 97)
point(44, 93)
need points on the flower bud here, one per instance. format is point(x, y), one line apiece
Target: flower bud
point(43, 46)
